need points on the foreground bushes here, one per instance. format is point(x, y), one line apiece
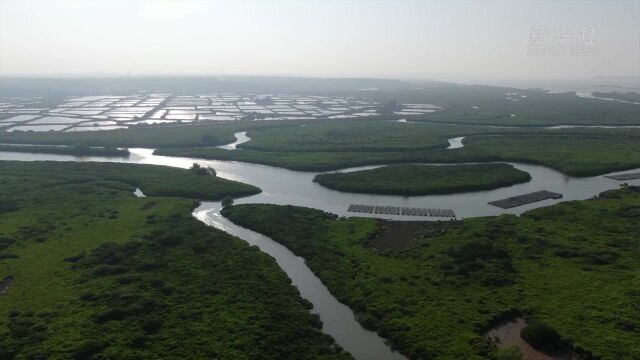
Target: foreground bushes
point(567, 265)
point(149, 283)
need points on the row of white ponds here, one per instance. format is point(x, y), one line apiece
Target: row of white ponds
point(282, 186)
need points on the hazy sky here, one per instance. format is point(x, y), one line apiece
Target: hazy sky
point(400, 39)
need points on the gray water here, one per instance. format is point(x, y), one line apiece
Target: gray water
point(241, 138)
point(282, 186)
point(456, 143)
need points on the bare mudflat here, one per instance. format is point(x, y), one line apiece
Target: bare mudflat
point(399, 235)
point(507, 334)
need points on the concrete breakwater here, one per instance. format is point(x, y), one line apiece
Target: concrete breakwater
point(396, 210)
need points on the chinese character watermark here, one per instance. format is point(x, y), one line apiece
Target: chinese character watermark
point(563, 41)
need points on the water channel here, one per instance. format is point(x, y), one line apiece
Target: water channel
point(282, 186)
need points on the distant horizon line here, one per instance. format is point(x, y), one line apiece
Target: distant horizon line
point(332, 77)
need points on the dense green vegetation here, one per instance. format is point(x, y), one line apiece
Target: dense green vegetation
point(359, 135)
point(144, 136)
point(99, 274)
point(327, 135)
point(388, 136)
point(154, 180)
point(492, 105)
point(78, 150)
point(572, 266)
point(578, 155)
point(197, 169)
point(424, 179)
point(303, 161)
point(89, 271)
point(572, 155)
point(334, 144)
point(331, 145)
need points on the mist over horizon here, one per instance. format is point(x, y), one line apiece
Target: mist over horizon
point(493, 42)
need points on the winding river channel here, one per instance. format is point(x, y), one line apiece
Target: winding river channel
point(282, 186)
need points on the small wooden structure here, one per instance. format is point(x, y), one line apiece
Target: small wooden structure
point(525, 199)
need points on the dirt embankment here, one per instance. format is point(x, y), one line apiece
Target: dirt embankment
point(399, 235)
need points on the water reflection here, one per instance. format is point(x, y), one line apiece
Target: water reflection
point(456, 143)
point(282, 186)
point(241, 138)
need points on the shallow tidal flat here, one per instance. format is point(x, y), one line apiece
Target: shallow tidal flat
point(424, 179)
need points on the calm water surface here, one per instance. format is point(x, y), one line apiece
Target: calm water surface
point(241, 138)
point(456, 143)
point(282, 186)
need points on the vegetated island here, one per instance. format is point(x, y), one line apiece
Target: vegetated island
point(435, 296)
point(76, 150)
point(576, 152)
point(148, 136)
point(424, 179)
point(325, 145)
point(96, 273)
point(154, 180)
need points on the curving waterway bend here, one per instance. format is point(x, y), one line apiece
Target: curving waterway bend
point(337, 319)
point(455, 143)
point(282, 186)
point(241, 138)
